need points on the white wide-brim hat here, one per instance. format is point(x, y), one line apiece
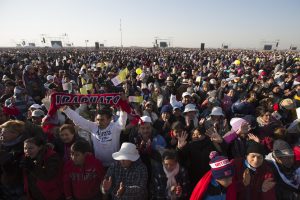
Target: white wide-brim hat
point(217, 111)
point(128, 151)
point(190, 108)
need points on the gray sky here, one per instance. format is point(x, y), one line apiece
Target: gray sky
point(244, 24)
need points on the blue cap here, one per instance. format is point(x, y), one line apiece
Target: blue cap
point(166, 109)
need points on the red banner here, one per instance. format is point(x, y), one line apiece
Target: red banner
point(61, 99)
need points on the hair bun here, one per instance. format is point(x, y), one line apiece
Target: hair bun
point(213, 154)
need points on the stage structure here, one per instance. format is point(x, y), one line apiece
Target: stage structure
point(56, 42)
point(269, 45)
point(26, 43)
point(225, 45)
point(293, 47)
point(162, 43)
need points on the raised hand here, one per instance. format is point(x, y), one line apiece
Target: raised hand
point(246, 177)
point(268, 184)
point(253, 137)
point(178, 190)
point(214, 135)
point(182, 139)
point(243, 129)
point(63, 108)
point(201, 121)
point(106, 184)
point(121, 190)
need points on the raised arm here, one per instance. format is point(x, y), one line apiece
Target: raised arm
point(80, 121)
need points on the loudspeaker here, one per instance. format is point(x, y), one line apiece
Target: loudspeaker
point(202, 46)
point(96, 45)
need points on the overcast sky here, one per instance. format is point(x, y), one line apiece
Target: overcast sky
point(187, 23)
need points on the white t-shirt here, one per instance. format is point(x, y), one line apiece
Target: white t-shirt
point(105, 141)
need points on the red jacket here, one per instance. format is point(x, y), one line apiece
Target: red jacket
point(202, 185)
point(254, 189)
point(83, 182)
point(47, 184)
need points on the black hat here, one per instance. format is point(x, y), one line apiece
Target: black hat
point(254, 147)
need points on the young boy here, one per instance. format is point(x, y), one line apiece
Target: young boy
point(216, 183)
point(83, 174)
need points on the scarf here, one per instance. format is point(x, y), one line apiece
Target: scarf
point(293, 183)
point(249, 166)
point(60, 99)
point(199, 191)
point(171, 178)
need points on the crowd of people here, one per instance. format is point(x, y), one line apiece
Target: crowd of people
point(212, 124)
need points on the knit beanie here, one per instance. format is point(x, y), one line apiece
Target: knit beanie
point(254, 147)
point(221, 167)
point(236, 123)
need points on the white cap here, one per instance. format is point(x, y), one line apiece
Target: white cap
point(36, 106)
point(186, 94)
point(146, 119)
point(128, 151)
point(38, 113)
point(50, 77)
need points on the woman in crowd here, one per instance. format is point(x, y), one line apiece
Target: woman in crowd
point(42, 170)
point(67, 137)
point(195, 154)
point(253, 176)
point(170, 180)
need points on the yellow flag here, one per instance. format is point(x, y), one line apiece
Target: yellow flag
point(122, 74)
point(83, 81)
point(135, 99)
point(88, 86)
point(83, 91)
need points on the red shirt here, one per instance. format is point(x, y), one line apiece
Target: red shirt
point(83, 182)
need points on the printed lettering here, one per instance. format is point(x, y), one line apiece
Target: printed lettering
point(116, 99)
point(65, 99)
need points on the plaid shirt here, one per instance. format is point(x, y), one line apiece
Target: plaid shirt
point(134, 179)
